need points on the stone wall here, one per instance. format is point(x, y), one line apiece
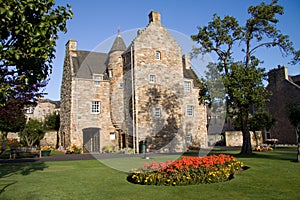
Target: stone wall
point(284, 92)
point(235, 138)
point(49, 139)
point(84, 93)
point(66, 94)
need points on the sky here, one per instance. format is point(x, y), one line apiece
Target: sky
point(95, 24)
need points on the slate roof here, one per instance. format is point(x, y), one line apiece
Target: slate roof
point(88, 63)
point(56, 103)
point(190, 74)
point(118, 45)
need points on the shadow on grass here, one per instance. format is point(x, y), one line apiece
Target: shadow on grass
point(277, 154)
point(23, 168)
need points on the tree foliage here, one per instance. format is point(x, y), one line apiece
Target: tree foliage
point(33, 132)
point(52, 121)
point(12, 119)
point(28, 33)
point(243, 78)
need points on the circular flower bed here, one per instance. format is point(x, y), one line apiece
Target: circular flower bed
point(187, 171)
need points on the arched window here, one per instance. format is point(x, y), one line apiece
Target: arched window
point(157, 55)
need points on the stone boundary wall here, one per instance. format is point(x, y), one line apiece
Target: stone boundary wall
point(235, 138)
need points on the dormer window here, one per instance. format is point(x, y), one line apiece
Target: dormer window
point(97, 79)
point(157, 55)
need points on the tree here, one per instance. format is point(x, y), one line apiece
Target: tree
point(294, 118)
point(12, 119)
point(28, 33)
point(243, 78)
point(52, 122)
point(32, 133)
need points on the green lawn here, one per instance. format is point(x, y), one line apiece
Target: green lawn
point(271, 175)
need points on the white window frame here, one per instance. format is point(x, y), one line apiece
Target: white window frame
point(157, 112)
point(190, 110)
point(95, 107)
point(157, 55)
point(152, 78)
point(187, 86)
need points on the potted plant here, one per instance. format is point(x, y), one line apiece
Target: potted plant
point(45, 151)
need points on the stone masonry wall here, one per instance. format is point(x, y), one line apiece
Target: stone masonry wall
point(86, 92)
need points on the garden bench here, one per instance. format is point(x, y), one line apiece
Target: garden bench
point(16, 151)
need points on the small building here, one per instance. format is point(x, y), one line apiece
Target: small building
point(285, 90)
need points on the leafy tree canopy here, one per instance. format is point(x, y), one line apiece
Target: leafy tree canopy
point(28, 33)
point(52, 121)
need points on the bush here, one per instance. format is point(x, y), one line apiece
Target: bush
point(187, 171)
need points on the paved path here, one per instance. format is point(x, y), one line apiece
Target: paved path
point(86, 156)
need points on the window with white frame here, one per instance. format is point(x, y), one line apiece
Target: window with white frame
point(152, 78)
point(187, 86)
point(157, 55)
point(95, 107)
point(157, 112)
point(190, 110)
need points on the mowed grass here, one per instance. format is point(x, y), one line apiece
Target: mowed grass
point(271, 175)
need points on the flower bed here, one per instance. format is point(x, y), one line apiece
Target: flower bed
point(187, 171)
point(263, 148)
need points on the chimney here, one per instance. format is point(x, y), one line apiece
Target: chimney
point(186, 59)
point(71, 45)
point(154, 17)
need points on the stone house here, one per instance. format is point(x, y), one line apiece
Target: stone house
point(43, 108)
point(285, 89)
point(144, 92)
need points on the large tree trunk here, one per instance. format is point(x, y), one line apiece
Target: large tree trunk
point(246, 148)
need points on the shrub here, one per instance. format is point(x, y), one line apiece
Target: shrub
point(187, 171)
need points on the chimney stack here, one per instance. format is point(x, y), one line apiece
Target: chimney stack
point(154, 17)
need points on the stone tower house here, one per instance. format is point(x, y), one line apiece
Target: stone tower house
point(146, 92)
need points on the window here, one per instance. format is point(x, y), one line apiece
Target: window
point(190, 110)
point(187, 86)
point(97, 79)
point(152, 79)
point(188, 138)
point(44, 112)
point(110, 73)
point(157, 55)
point(157, 112)
point(29, 110)
point(95, 107)
point(121, 85)
point(112, 136)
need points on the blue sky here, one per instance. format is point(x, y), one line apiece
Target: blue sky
point(95, 21)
